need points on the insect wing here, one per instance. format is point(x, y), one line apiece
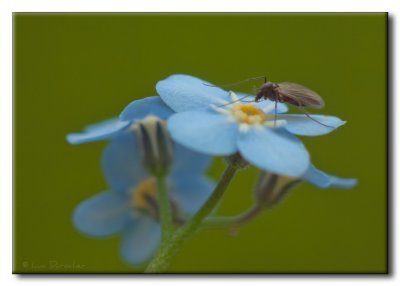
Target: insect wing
point(300, 95)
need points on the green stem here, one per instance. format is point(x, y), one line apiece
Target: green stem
point(165, 209)
point(268, 200)
point(168, 250)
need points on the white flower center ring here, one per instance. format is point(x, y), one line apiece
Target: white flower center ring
point(248, 115)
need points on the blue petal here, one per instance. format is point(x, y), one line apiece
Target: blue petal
point(342, 183)
point(300, 124)
point(96, 132)
point(187, 162)
point(122, 164)
point(323, 180)
point(103, 214)
point(204, 131)
point(141, 240)
point(316, 177)
point(280, 108)
point(185, 92)
point(141, 108)
point(191, 192)
point(275, 151)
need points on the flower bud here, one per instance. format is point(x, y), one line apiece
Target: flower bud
point(272, 188)
point(155, 144)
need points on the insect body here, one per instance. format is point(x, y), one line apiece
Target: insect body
point(287, 92)
point(292, 93)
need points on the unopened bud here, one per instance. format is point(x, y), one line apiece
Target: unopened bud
point(272, 188)
point(156, 147)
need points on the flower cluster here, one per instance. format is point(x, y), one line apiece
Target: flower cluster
point(174, 135)
point(130, 207)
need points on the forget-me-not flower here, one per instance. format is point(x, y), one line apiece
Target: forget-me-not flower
point(216, 122)
point(131, 208)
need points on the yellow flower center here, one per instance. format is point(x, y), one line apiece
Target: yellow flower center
point(145, 196)
point(144, 199)
point(248, 114)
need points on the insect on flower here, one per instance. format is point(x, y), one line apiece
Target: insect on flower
point(286, 92)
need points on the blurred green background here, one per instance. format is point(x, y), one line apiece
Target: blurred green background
point(74, 69)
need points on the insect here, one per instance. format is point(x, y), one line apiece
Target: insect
point(286, 92)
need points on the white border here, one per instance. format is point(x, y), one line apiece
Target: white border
point(9, 6)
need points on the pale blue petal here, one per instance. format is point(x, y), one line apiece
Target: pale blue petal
point(96, 132)
point(316, 177)
point(204, 131)
point(300, 124)
point(122, 164)
point(343, 183)
point(104, 214)
point(188, 162)
point(275, 151)
point(323, 180)
point(280, 108)
point(141, 240)
point(141, 108)
point(185, 92)
point(191, 192)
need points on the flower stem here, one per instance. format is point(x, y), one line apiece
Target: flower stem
point(267, 199)
point(165, 209)
point(167, 250)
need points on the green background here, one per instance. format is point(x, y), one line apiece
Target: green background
point(74, 69)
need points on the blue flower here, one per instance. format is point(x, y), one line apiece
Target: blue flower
point(131, 207)
point(217, 122)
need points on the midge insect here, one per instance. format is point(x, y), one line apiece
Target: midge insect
point(285, 92)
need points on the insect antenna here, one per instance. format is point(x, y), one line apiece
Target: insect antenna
point(239, 82)
point(315, 120)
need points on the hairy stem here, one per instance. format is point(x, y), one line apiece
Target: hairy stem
point(165, 209)
point(167, 250)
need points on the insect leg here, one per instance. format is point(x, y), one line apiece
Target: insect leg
point(239, 82)
point(309, 116)
point(239, 99)
point(276, 108)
